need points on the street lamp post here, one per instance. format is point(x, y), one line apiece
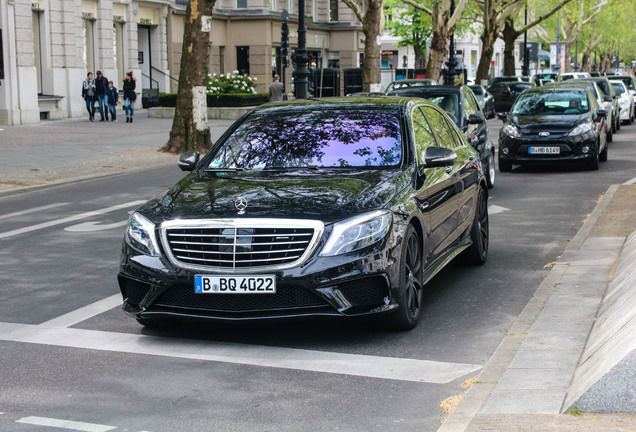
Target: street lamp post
point(301, 74)
point(525, 68)
point(451, 64)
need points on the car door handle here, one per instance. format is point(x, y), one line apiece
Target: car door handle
point(449, 169)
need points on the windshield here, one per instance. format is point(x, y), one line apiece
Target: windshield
point(628, 82)
point(313, 139)
point(618, 88)
point(560, 102)
point(448, 103)
point(604, 87)
point(518, 87)
point(409, 84)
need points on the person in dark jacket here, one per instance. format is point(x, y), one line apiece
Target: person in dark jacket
point(129, 96)
point(113, 98)
point(88, 94)
point(101, 89)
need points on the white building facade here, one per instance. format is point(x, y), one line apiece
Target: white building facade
point(47, 47)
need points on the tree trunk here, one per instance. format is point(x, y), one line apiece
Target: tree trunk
point(509, 37)
point(488, 47)
point(372, 26)
point(585, 62)
point(436, 55)
point(187, 133)
point(567, 54)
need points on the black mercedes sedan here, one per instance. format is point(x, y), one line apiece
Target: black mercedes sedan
point(553, 123)
point(345, 207)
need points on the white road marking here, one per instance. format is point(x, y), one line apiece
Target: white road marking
point(94, 226)
point(495, 209)
point(33, 210)
point(423, 371)
point(630, 182)
point(65, 424)
point(69, 219)
point(82, 314)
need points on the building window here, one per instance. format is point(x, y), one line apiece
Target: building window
point(37, 49)
point(243, 60)
point(118, 50)
point(88, 45)
point(241, 4)
point(273, 5)
point(222, 60)
point(1, 57)
point(333, 10)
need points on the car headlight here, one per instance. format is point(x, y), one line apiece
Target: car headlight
point(357, 233)
point(511, 131)
point(581, 129)
point(140, 235)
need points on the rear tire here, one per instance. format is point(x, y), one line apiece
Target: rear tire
point(477, 253)
point(610, 136)
point(411, 290)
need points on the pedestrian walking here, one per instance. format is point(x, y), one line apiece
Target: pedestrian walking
point(88, 94)
point(129, 96)
point(113, 100)
point(276, 90)
point(101, 89)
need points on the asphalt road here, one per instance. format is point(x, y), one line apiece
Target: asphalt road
point(66, 366)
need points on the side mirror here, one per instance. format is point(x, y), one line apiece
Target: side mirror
point(476, 118)
point(608, 98)
point(188, 160)
point(439, 157)
point(503, 116)
point(601, 113)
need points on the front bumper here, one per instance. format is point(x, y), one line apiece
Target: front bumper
point(348, 285)
point(517, 150)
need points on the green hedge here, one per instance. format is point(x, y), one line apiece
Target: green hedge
point(222, 100)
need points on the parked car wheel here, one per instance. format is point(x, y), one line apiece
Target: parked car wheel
point(411, 289)
point(593, 163)
point(489, 170)
point(477, 253)
point(603, 155)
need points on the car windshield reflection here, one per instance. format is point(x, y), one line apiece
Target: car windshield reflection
point(330, 139)
point(552, 103)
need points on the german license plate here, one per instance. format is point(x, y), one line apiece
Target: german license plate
point(253, 284)
point(544, 150)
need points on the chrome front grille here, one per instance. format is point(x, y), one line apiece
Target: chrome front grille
point(241, 245)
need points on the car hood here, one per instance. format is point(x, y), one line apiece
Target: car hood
point(319, 195)
point(548, 123)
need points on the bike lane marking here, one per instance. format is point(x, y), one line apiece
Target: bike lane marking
point(65, 424)
point(69, 219)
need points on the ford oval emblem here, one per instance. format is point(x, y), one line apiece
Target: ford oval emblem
point(241, 205)
point(544, 133)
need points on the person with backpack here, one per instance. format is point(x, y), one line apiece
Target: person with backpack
point(101, 88)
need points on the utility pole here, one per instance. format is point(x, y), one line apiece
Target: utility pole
point(576, 56)
point(451, 64)
point(558, 49)
point(301, 73)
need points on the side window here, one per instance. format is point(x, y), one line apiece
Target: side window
point(469, 103)
point(424, 136)
point(442, 130)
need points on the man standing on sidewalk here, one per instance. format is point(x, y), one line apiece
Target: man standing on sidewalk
point(276, 90)
point(101, 89)
point(88, 94)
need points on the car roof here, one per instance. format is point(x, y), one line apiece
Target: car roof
point(438, 89)
point(397, 103)
point(553, 87)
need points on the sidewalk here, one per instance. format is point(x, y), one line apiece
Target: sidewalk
point(54, 152)
point(573, 345)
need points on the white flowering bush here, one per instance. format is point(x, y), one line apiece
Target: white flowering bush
point(230, 83)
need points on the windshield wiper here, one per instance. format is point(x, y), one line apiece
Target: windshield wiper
point(306, 167)
point(215, 170)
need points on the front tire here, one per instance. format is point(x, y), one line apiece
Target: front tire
point(477, 253)
point(592, 164)
point(603, 155)
point(411, 290)
point(490, 171)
